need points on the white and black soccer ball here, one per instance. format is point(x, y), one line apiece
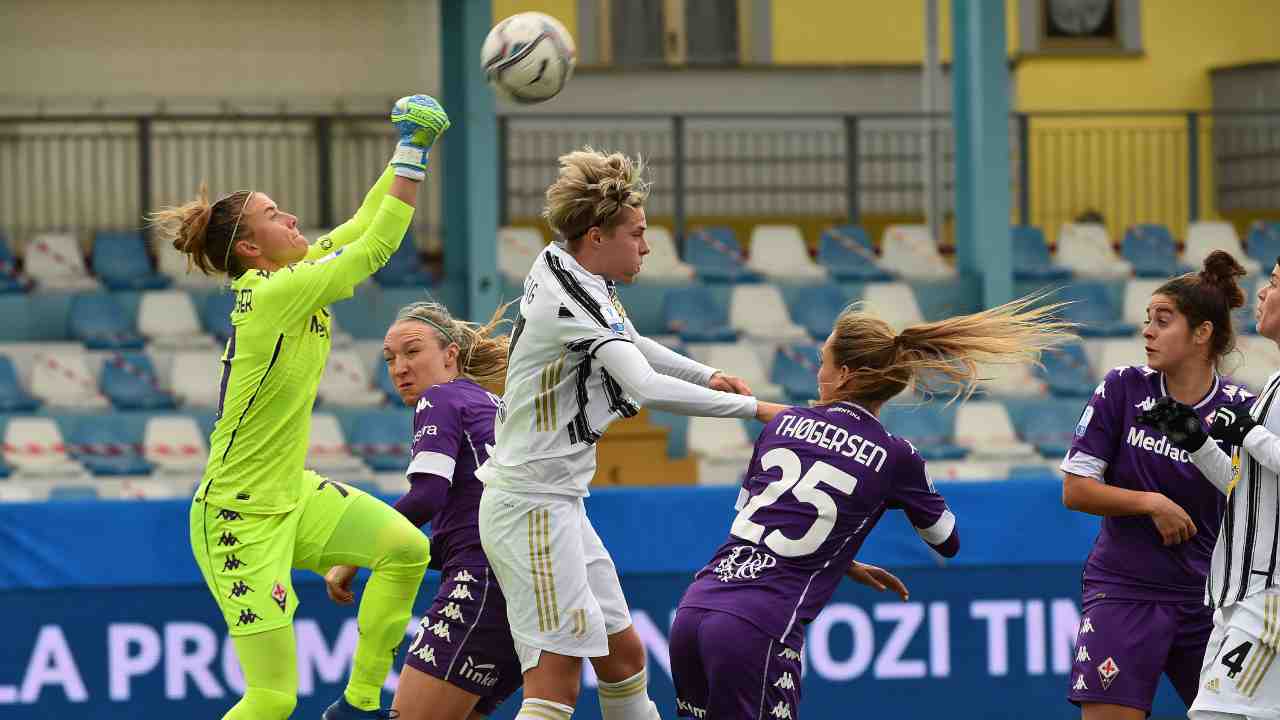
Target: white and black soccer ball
point(529, 57)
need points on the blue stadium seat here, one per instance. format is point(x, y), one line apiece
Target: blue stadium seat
point(846, 251)
point(404, 269)
point(129, 380)
point(381, 439)
point(215, 314)
point(108, 448)
point(716, 256)
point(11, 281)
point(13, 397)
point(385, 383)
point(677, 432)
point(928, 426)
point(795, 368)
point(99, 322)
point(816, 308)
point(1047, 423)
point(693, 313)
point(1094, 309)
point(120, 259)
point(73, 492)
point(4, 470)
point(1066, 372)
point(1031, 261)
point(1152, 251)
point(1263, 244)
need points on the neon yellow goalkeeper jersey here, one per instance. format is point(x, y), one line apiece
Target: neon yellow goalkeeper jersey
point(273, 361)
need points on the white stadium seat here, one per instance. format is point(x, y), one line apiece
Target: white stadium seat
point(346, 381)
point(893, 302)
point(175, 445)
point(173, 263)
point(1206, 236)
point(663, 263)
point(778, 252)
point(1137, 295)
point(758, 310)
point(1085, 249)
point(1114, 352)
point(328, 454)
point(34, 446)
point(723, 449)
point(1257, 360)
point(1011, 379)
point(196, 378)
point(63, 379)
point(55, 261)
point(518, 247)
point(739, 359)
point(986, 430)
point(910, 251)
point(168, 319)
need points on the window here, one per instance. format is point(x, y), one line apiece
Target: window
point(659, 33)
point(1073, 27)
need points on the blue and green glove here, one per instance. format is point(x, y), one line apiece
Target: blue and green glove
point(420, 121)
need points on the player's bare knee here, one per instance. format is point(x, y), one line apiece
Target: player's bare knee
point(626, 657)
point(557, 678)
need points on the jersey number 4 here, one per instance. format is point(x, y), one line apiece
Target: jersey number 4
point(805, 489)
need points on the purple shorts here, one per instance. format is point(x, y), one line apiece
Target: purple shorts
point(1123, 646)
point(464, 638)
point(725, 667)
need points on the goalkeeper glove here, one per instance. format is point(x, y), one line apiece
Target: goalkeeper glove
point(420, 121)
point(1177, 422)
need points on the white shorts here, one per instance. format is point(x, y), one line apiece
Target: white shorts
point(1239, 674)
point(561, 586)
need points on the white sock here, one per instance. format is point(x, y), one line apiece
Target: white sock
point(627, 699)
point(536, 709)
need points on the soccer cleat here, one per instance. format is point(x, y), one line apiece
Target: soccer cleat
point(343, 710)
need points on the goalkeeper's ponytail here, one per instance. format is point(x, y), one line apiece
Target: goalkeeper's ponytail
point(203, 232)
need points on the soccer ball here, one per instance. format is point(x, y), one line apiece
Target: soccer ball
point(528, 57)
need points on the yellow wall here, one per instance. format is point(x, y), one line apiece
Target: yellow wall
point(566, 11)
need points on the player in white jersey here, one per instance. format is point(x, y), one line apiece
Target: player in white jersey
point(1238, 679)
point(576, 364)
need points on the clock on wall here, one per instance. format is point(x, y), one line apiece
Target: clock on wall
point(1080, 24)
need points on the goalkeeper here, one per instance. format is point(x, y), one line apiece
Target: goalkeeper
point(257, 512)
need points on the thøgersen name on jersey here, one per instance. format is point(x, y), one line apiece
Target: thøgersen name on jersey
point(834, 438)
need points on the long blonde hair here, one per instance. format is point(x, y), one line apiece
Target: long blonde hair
point(591, 191)
point(944, 354)
point(482, 352)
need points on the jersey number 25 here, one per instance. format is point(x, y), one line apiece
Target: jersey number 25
point(805, 489)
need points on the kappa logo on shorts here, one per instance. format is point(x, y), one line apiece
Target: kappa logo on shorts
point(782, 711)
point(248, 617)
point(744, 562)
point(441, 629)
point(1108, 671)
point(1082, 655)
point(280, 595)
point(426, 654)
point(464, 576)
point(786, 682)
point(483, 674)
point(232, 563)
point(1086, 625)
point(789, 654)
point(1080, 683)
point(694, 711)
point(461, 592)
point(228, 515)
point(228, 540)
point(239, 588)
point(453, 612)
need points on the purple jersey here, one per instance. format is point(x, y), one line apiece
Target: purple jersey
point(452, 436)
point(1128, 559)
point(818, 482)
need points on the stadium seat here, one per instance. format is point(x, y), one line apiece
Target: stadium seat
point(1092, 307)
point(1085, 249)
point(795, 370)
point(723, 449)
point(816, 307)
point(99, 322)
point(986, 430)
point(1066, 372)
point(172, 263)
point(382, 379)
point(107, 448)
point(1263, 244)
point(1010, 380)
point(1152, 251)
point(847, 253)
point(677, 432)
point(894, 302)
point(1111, 353)
point(716, 256)
point(1245, 322)
point(1206, 236)
point(1137, 296)
point(927, 426)
point(34, 446)
point(55, 261)
point(120, 260)
point(62, 379)
point(404, 268)
point(327, 453)
point(129, 380)
point(12, 280)
point(1030, 418)
point(168, 319)
point(73, 492)
point(346, 382)
point(693, 314)
point(338, 338)
point(778, 252)
point(174, 444)
point(215, 314)
point(741, 360)
point(518, 247)
point(13, 397)
point(196, 377)
point(1259, 358)
point(909, 251)
point(1031, 260)
point(663, 263)
point(381, 439)
point(759, 311)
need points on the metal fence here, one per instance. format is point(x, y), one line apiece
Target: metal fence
point(95, 172)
